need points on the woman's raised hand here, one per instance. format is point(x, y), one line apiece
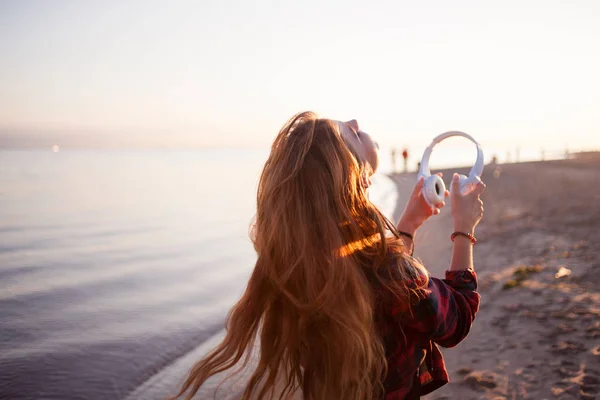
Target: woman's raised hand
point(417, 209)
point(467, 210)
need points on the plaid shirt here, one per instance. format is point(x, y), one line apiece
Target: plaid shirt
point(443, 316)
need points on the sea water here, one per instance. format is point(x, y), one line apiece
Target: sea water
point(118, 267)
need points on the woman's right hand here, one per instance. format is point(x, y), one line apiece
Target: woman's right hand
point(467, 210)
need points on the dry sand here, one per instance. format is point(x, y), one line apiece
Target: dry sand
point(536, 336)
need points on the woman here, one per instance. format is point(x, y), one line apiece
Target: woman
point(337, 304)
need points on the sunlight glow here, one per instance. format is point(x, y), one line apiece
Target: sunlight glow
point(352, 247)
point(188, 73)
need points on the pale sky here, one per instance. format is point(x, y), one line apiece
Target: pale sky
point(229, 73)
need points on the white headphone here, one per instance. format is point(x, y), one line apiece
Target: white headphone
point(433, 187)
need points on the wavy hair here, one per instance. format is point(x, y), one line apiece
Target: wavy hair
point(310, 299)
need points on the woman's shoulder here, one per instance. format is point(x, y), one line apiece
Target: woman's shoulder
point(402, 266)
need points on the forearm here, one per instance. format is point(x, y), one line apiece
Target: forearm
point(462, 254)
point(405, 225)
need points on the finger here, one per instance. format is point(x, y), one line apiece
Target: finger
point(479, 189)
point(440, 174)
point(447, 193)
point(418, 186)
point(442, 204)
point(436, 211)
point(455, 186)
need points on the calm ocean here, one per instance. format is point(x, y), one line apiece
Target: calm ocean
point(117, 268)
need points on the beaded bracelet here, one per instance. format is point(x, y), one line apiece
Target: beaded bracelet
point(465, 234)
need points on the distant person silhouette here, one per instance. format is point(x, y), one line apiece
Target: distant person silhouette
point(405, 157)
point(393, 159)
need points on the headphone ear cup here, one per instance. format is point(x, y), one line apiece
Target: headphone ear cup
point(462, 184)
point(467, 184)
point(434, 190)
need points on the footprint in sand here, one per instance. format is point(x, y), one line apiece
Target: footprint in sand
point(583, 381)
point(565, 328)
point(590, 386)
point(481, 380)
point(567, 348)
point(593, 332)
point(566, 369)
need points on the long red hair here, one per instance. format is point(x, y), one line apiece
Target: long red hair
point(310, 300)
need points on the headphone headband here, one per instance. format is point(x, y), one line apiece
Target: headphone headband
point(477, 169)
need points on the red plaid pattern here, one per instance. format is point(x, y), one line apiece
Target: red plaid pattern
point(443, 316)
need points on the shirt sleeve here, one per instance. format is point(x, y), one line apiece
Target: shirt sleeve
point(446, 309)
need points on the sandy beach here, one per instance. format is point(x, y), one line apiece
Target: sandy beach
point(537, 334)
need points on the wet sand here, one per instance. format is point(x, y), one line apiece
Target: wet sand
point(537, 334)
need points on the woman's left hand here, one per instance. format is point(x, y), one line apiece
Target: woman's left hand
point(417, 209)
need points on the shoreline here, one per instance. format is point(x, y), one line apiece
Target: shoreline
point(537, 334)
